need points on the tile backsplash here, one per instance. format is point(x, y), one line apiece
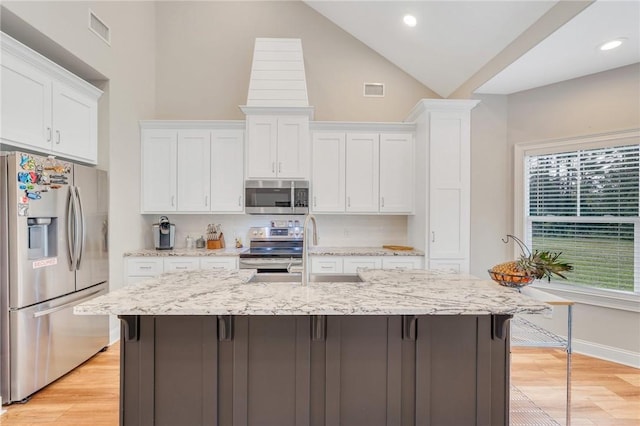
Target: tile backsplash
point(333, 230)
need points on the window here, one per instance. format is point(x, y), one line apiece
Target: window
point(583, 200)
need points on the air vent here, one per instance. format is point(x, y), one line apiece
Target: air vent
point(99, 28)
point(374, 89)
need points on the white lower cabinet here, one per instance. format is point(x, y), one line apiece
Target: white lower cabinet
point(181, 264)
point(403, 262)
point(141, 268)
point(326, 265)
point(219, 262)
point(144, 267)
point(350, 264)
point(454, 265)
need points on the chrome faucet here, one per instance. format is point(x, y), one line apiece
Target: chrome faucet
point(305, 246)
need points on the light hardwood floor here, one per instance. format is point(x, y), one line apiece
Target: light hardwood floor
point(604, 393)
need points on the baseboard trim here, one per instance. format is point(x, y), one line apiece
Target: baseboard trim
point(608, 353)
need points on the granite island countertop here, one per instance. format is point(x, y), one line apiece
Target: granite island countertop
point(383, 292)
point(313, 251)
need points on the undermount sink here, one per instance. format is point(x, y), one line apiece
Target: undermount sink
point(313, 278)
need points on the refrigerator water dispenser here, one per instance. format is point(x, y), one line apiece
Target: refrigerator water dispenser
point(40, 238)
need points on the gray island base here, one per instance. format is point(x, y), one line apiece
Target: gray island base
point(401, 348)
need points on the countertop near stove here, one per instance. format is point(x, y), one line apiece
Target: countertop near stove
point(313, 251)
point(383, 292)
point(229, 251)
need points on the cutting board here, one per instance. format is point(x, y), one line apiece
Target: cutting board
point(392, 247)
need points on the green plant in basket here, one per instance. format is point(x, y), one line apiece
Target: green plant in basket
point(529, 266)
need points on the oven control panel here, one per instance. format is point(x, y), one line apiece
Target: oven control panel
point(275, 233)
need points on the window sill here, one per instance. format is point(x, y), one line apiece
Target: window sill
point(593, 296)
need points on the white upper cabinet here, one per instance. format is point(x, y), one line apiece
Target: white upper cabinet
point(26, 105)
point(159, 170)
point(293, 147)
point(328, 172)
point(193, 170)
point(396, 173)
point(362, 172)
point(227, 173)
point(75, 124)
point(277, 147)
point(44, 107)
point(262, 146)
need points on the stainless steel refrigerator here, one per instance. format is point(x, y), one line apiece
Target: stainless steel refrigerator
point(53, 256)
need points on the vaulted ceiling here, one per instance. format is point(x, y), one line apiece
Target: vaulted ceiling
point(498, 47)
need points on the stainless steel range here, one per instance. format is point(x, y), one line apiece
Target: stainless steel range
point(274, 248)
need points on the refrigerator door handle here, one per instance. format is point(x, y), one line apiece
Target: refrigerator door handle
point(81, 234)
point(65, 306)
point(71, 229)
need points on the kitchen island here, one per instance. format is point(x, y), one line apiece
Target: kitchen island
point(402, 347)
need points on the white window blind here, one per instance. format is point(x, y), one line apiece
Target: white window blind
point(585, 204)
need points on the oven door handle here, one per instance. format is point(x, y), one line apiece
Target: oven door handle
point(250, 262)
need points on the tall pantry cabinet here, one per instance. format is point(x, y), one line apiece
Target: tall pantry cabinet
point(441, 224)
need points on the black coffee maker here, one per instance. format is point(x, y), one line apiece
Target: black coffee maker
point(164, 234)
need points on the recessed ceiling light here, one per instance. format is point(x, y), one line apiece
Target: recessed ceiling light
point(410, 20)
point(612, 44)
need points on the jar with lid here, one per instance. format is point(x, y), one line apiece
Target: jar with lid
point(200, 243)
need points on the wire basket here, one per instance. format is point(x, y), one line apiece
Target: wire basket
point(508, 280)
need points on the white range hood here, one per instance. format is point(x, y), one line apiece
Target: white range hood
point(277, 74)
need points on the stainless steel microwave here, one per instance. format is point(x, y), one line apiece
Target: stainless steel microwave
point(276, 197)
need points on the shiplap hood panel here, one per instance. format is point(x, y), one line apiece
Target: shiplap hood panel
point(277, 74)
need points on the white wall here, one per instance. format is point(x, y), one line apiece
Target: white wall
point(129, 66)
point(205, 49)
point(333, 230)
point(490, 168)
point(204, 54)
point(599, 103)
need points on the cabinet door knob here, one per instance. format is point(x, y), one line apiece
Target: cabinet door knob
point(382, 201)
point(206, 200)
point(433, 236)
point(48, 134)
point(57, 136)
point(348, 201)
point(173, 200)
point(240, 201)
point(280, 167)
point(273, 167)
point(314, 201)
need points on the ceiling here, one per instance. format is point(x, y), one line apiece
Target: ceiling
point(492, 47)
